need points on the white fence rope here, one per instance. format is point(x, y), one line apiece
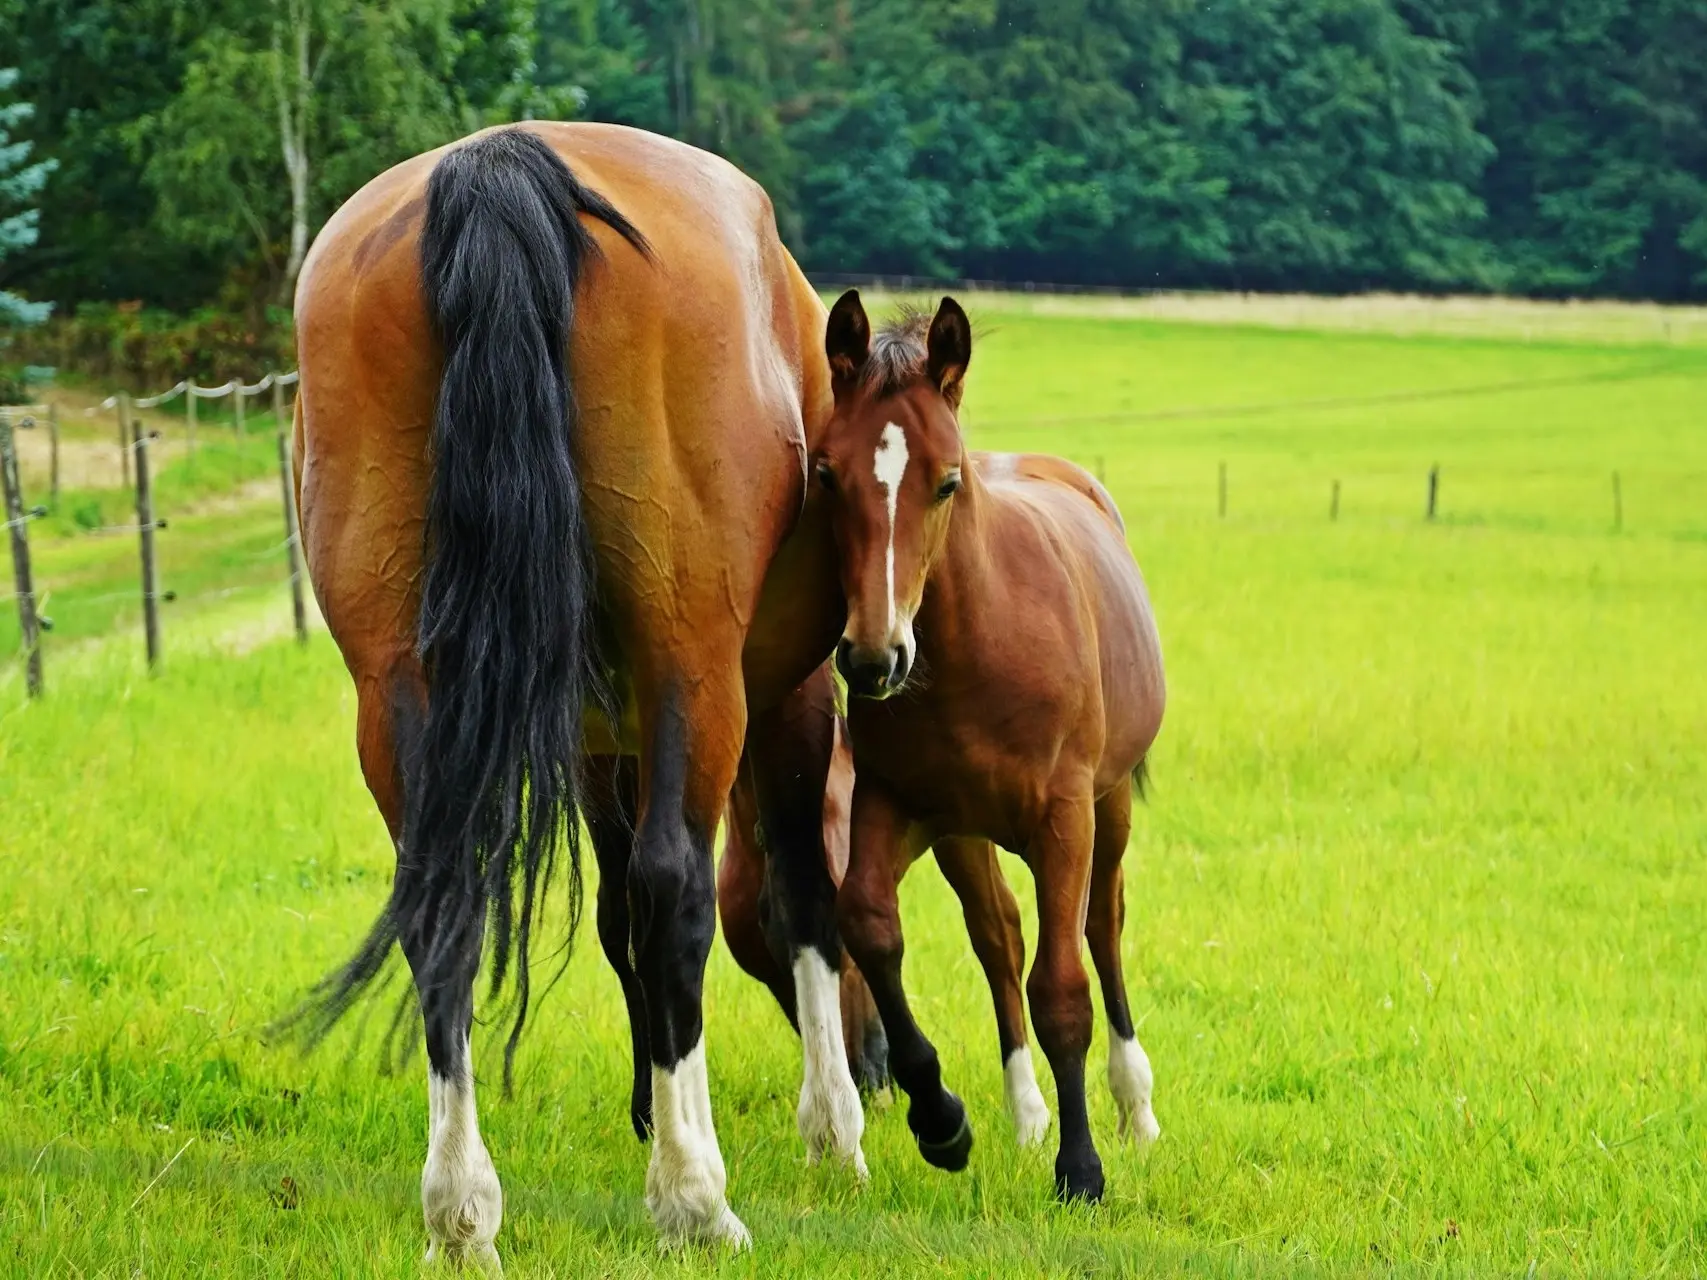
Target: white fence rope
point(186, 387)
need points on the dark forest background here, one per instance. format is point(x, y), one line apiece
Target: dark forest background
point(1544, 147)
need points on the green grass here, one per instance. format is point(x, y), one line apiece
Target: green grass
point(1415, 910)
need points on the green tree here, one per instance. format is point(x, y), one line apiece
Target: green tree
point(286, 109)
point(21, 182)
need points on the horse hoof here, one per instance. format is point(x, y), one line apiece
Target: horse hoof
point(481, 1259)
point(952, 1153)
point(1077, 1181)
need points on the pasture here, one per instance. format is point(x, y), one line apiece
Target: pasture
point(1415, 911)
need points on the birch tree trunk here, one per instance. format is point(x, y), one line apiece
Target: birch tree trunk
point(293, 88)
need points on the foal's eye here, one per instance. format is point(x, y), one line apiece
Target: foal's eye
point(826, 476)
point(948, 488)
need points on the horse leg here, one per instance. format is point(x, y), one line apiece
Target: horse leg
point(788, 755)
point(868, 910)
point(742, 905)
point(612, 790)
point(1060, 858)
point(691, 735)
point(992, 922)
point(1129, 1076)
point(461, 1200)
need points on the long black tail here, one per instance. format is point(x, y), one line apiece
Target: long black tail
point(508, 598)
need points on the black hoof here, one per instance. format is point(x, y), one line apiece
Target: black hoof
point(1078, 1181)
point(949, 1153)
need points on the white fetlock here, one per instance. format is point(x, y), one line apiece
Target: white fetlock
point(685, 1180)
point(830, 1116)
point(461, 1199)
point(1026, 1107)
point(1132, 1083)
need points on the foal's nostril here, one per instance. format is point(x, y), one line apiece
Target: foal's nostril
point(866, 672)
point(844, 659)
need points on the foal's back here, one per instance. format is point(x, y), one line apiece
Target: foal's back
point(1038, 502)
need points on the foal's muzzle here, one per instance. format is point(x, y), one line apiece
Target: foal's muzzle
point(871, 673)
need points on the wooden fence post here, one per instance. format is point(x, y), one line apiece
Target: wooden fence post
point(53, 453)
point(124, 413)
point(237, 402)
point(1617, 504)
point(1223, 491)
point(190, 417)
point(29, 625)
point(1433, 488)
point(1334, 504)
point(145, 526)
point(278, 403)
point(293, 539)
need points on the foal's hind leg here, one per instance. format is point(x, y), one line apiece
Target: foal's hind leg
point(461, 1200)
point(1129, 1076)
point(1060, 856)
point(611, 806)
point(992, 922)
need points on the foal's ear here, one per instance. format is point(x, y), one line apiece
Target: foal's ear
point(847, 341)
point(949, 349)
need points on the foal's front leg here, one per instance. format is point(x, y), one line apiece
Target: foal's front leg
point(1060, 990)
point(869, 911)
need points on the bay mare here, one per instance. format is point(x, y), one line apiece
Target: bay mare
point(1008, 581)
point(559, 388)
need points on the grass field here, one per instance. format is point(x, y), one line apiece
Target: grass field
point(1416, 909)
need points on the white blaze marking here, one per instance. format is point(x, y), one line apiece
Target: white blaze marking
point(830, 1115)
point(460, 1197)
point(685, 1180)
point(1026, 1107)
point(889, 464)
point(1131, 1082)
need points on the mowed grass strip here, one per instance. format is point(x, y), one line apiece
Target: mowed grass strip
point(1414, 911)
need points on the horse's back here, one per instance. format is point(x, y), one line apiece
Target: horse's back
point(690, 368)
point(1077, 518)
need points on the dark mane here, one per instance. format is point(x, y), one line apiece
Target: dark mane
point(897, 358)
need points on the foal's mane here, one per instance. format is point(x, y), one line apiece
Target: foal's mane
point(897, 358)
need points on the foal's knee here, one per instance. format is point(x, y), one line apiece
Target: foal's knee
point(869, 924)
point(1060, 998)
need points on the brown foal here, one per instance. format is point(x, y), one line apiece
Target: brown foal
point(1008, 684)
point(992, 922)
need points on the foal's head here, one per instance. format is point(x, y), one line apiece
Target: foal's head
point(890, 464)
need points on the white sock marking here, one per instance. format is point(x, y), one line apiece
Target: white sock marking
point(685, 1181)
point(889, 465)
point(1026, 1107)
point(1131, 1082)
point(460, 1197)
point(830, 1114)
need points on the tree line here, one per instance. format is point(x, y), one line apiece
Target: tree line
point(1527, 146)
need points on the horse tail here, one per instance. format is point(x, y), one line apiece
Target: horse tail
point(1141, 779)
point(506, 627)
